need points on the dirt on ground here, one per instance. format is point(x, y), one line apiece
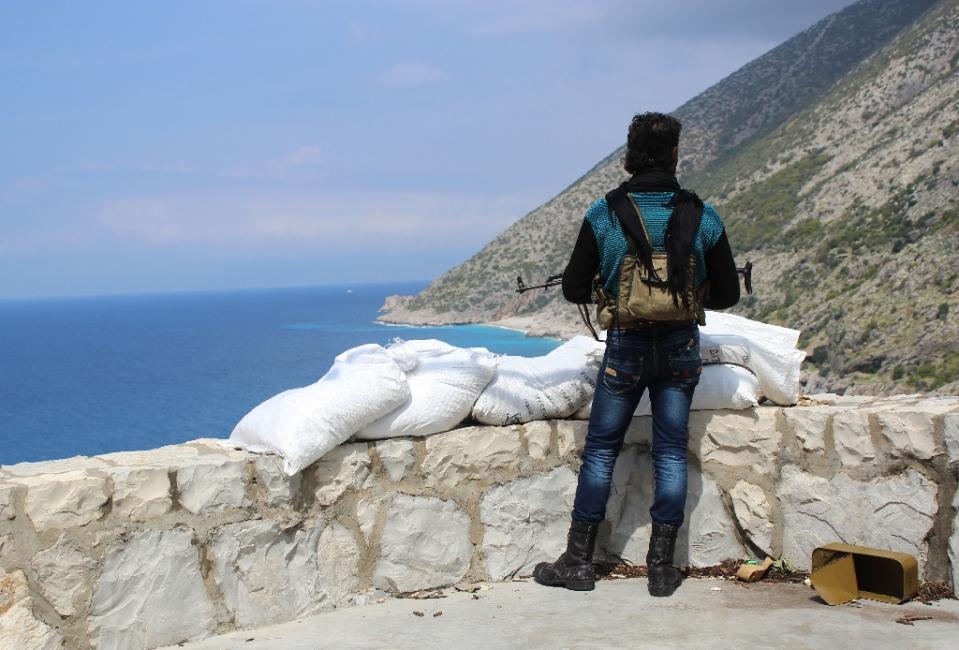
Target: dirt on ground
point(929, 592)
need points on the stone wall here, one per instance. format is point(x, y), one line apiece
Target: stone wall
point(143, 549)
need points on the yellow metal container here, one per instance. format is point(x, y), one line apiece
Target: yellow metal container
point(843, 572)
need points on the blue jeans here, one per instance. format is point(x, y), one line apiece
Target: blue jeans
point(665, 359)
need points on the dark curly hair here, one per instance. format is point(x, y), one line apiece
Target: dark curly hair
point(650, 143)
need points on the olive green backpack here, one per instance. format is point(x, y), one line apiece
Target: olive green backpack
point(645, 297)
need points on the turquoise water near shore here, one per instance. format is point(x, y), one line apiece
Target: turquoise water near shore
point(95, 375)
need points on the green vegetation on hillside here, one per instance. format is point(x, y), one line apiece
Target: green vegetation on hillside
point(760, 215)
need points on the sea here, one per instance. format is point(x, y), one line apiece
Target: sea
point(99, 374)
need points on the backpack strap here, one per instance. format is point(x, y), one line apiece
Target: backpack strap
point(639, 215)
point(634, 226)
point(624, 207)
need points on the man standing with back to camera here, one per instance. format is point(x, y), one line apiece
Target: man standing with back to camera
point(649, 234)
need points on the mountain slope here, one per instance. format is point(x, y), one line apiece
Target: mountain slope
point(833, 161)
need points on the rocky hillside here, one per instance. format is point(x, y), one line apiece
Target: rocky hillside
point(833, 161)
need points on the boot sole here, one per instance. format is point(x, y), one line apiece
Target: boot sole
point(574, 585)
point(662, 594)
point(663, 591)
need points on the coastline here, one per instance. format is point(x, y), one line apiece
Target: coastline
point(515, 323)
point(552, 322)
point(521, 324)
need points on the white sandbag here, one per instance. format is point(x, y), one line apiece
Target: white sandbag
point(584, 413)
point(540, 388)
point(721, 386)
point(769, 351)
point(444, 385)
point(724, 348)
point(772, 353)
point(364, 384)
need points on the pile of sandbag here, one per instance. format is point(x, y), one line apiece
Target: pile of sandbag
point(411, 388)
point(744, 362)
point(768, 351)
point(417, 388)
point(364, 384)
point(444, 383)
point(542, 388)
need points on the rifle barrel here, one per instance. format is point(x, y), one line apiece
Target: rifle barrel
point(551, 282)
point(557, 279)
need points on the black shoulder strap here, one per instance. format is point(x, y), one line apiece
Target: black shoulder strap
point(629, 218)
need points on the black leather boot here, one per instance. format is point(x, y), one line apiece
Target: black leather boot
point(574, 568)
point(664, 578)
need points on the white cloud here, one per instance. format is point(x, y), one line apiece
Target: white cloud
point(345, 222)
point(414, 74)
point(307, 157)
point(148, 220)
point(302, 163)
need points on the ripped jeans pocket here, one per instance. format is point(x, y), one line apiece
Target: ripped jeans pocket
point(620, 377)
point(685, 363)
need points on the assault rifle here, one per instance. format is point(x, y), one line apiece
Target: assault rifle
point(551, 281)
point(521, 287)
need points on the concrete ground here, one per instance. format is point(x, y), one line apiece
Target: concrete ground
point(618, 614)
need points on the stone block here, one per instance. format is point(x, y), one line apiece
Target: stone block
point(852, 438)
point(895, 401)
point(747, 438)
point(951, 430)
point(337, 563)
point(909, 433)
point(62, 466)
point(809, 423)
point(571, 436)
point(19, 627)
point(343, 468)
point(754, 514)
point(278, 489)
point(425, 543)
point(8, 495)
point(824, 398)
point(526, 521)
point(708, 537)
point(141, 493)
point(170, 456)
point(367, 511)
point(150, 593)
point(397, 457)
point(6, 546)
point(211, 485)
point(64, 500)
point(470, 454)
point(894, 513)
point(537, 434)
point(954, 544)
point(939, 405)
point(220, 446)
point(846, 401)
point(266, 574)
point(640, 431)
point(269, 575)
point(620, 490)
point(63, 573)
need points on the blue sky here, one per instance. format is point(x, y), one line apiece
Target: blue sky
point(203, 145)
